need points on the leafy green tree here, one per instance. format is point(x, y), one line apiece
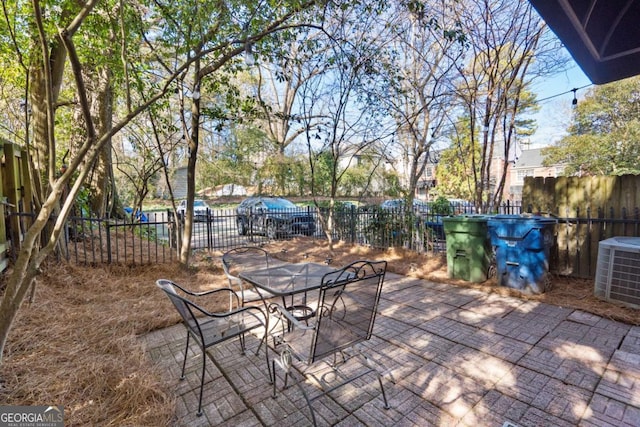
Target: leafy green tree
point(181, 39)
point(392, 185)
point(235, 158)
point(604, 137)
point(363, 179)
point(323, 171)
point(341, 122)
point(418, 80)
point(454, 176)
point(50, 31)
point(141, 154)
point(210, 38)
point(292, 61)
point(507, 47)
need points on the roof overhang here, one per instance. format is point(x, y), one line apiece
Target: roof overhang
point(603, 36)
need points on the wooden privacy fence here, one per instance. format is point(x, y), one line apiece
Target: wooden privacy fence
point(15, 188)
point(575, 252)
point(588, 209)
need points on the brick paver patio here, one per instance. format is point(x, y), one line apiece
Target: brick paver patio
point(458, 357)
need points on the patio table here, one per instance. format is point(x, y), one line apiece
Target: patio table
point(289, 280)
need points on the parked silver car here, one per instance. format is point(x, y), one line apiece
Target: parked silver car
point(200, 209)
point(419, 207)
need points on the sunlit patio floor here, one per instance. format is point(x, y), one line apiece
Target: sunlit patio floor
point(454, 356)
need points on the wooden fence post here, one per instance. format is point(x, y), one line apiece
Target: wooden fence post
point(3, 229)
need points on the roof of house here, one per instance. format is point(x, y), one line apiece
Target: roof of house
point(530, 159)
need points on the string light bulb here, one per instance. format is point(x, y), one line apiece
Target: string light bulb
point(249, 59)
point(575, 100)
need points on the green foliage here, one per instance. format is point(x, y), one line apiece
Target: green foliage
point(455, 172)
point(323, 173)
point(232, 161)
point(441, 206)
point(385, 229)
point(83, 202)
point(142, 229)
point(362, 178)
point(354, 180)
point(225, 103)
point(284, 175)
point(392, 185)
point(604, 137)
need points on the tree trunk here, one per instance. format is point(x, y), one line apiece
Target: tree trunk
point(43, 143)
point(185, 249)
point(102, 174)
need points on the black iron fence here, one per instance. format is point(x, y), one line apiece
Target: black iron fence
point(92, 241)
point(157, 236)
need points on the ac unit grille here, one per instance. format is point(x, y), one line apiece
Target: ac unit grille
point(618, 271)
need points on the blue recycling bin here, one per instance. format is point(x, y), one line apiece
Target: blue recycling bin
point(522, 248)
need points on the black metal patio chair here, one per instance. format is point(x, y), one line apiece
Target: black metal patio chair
point(209, 328)
point(243, 258)
point(348, 301)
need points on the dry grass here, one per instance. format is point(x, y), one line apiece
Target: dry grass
point(78, 343)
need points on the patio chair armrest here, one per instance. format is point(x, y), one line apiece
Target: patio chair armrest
point(233, 280)
point(233, 293)
point(198, 294)
point(278, 310)
point(214, 291)
point(250, 309)
point(259, 312)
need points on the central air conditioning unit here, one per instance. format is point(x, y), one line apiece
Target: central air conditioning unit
point(618, 270)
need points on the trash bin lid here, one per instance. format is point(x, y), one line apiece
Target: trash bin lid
point(467, 218)
point(533, 219)
point(516, 227)
point(468, 224)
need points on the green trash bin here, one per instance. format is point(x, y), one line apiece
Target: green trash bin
point(468, 247)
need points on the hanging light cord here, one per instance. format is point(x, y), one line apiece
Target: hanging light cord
point(574, 90)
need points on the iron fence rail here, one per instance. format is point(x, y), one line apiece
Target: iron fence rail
point(92, 241)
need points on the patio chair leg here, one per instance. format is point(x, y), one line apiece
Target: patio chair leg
point(273, 371)
point(204, 363)
point(285, 368)
point(184, 362)
point(242, 349)
point(298, 383)
point(384, 395)
point(306, 397)
point(266, 355)
point(264, 341)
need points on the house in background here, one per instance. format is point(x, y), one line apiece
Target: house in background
point(428, 179)
point(179, 187)
point(178, 184)
point(228, 190)
point(524, 163)
point(529, 163)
